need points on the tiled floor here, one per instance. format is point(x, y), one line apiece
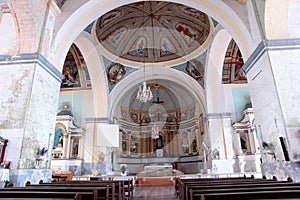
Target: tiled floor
point(154, 193)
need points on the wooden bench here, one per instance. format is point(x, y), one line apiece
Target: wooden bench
point(193, 192)
point(185, 185)
point(98, 192)
point(280, 194)
point(114, 191)
point(43, 195)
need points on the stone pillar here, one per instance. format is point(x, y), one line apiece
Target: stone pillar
point(69, 146)
point(29, 93)
point(29, 97)
point(79, 147)
point(128, 143)
point(198, 139)
point(190, 141)
point(275, 93)
point(218, 130)
point(220, 135)
point(65, 146)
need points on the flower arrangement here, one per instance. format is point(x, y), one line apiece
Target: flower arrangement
point(5, 164)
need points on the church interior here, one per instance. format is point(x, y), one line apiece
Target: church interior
point(149, 90)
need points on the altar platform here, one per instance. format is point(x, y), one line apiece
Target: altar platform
point(155, 181)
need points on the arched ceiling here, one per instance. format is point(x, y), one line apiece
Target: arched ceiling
point(152, 31)
point(171, 95)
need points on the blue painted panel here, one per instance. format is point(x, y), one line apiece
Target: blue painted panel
point(76, 102)
point(241, 98)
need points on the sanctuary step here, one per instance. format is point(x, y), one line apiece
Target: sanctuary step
point(155, 181)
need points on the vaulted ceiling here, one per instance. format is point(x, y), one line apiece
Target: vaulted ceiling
point(152, 31)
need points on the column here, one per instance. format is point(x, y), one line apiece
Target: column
point(167, 146)
point(79, 147)
point(198, 139)
point(220, 134)
point(142, 145)
point(171, 143)
point(69, 146)
point(177, 143)
point(29, 81)
point(129, 144)
point(190, 141)
point(275, 100)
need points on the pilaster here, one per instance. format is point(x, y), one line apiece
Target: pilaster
point(275, 93)
point(29, 92)
point(272, 72)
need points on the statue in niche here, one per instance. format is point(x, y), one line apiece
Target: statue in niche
point(60, 140)
point(159, 142)
point(75, 147)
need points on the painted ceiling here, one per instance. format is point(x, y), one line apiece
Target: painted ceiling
point(152, 31)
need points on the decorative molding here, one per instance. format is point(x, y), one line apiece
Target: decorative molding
point(98, 120)
point(270, 45)
point(218, 115)
point(32, 58)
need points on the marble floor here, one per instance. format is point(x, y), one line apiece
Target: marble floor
point(154, 193)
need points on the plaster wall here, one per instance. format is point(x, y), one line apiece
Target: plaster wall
point(87, 147)
point(217, 137)
point(229, 139)
point(265, 102)
point(15, 88)
point(41, 115)
point(294, 18)
point(8, 35)
point(287, 84)
point(13, 149)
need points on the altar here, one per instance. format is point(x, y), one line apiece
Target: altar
point(158, 170)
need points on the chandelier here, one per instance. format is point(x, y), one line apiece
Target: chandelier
point(144, 93)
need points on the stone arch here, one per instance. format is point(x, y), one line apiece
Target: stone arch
point(26, 24)
point(213, 80)
point(164, 74)
point(97, 73)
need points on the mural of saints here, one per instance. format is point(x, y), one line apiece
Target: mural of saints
point(194, 69)
point(115, 73)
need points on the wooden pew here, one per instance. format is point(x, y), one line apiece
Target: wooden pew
point(279, 194)
point(232, 185)
point(119, 186)
point(185, 185)
point(42, 195)
point(111, 191)
point(98, 192)
point(194, 192)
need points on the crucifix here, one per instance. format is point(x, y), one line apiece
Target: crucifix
point(157, 98)
point(157, 102)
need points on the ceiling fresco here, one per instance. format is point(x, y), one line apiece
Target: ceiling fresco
point(194, 68)
point(115, 72)
point(152, 31)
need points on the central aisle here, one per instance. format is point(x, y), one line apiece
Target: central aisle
point(153, 192)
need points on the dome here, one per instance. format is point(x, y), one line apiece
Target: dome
point(152, 31)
